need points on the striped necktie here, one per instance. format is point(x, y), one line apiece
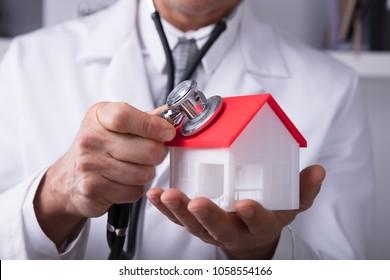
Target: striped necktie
point(183, 55)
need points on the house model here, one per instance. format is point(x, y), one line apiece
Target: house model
point(249, 151)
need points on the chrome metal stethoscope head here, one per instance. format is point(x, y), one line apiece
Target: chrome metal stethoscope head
point(190, 108)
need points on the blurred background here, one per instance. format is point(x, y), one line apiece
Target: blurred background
point(357, 32)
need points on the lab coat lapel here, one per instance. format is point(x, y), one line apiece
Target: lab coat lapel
point(126, 82)
point(260, 48)
point(113, 41)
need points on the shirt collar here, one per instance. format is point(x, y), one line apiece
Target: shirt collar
point(261, 50)
point(152, 46)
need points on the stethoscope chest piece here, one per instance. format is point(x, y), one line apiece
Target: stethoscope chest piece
point(190, 108)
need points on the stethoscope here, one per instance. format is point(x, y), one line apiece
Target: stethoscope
point(187, 107)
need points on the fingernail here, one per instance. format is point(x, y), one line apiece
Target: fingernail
point(247, 212)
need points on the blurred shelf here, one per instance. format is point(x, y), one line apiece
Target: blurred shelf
point(366, 64)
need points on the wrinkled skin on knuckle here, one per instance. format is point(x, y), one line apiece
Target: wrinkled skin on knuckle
point(84, 166)
point(86, 176)
point(89, 140)
point(118, 117)
point(87, 186)
point(86, 199)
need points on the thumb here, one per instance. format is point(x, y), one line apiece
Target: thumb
point(311, 179)
point(120, 117)
point(159, 110)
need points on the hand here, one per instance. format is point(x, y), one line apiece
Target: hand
point(110, 161)
point(252, 232)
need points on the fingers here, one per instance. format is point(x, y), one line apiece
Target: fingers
point(119, 131)
point(222, 226)
point(207, 221)
point(94, 191)
point(125, 173)
point(159, 110)
point(135, 149)
point(113, 156)
point(251, 232)
point(177, 203)
point(123, 118)
point(311, 179)
point(256, 217)
point(173, 204)
point(154, 195)
point(200, 216)
point(136, 136)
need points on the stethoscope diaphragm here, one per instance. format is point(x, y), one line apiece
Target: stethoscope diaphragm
point(190, 108)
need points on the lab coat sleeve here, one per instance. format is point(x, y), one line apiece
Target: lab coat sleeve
point(38, 245)
point(24, 237)
point(292, 247)
point(20, 234)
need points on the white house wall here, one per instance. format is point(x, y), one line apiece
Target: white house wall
point(266, 149)
point(197, 171)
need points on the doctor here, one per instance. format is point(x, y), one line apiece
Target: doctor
point(76, 138)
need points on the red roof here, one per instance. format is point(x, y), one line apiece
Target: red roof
point(234, 116)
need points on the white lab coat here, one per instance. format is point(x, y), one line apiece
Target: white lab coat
point(49, 79)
